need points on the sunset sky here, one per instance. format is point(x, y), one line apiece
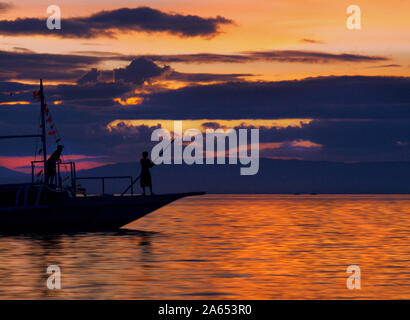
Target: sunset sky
point(117, 70)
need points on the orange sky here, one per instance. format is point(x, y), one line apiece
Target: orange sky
point(23, 163)
point(258, 25)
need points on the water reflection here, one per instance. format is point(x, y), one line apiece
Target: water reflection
point(84, 259)
point(225, 247)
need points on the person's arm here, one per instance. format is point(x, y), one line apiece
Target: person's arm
point(53, 157)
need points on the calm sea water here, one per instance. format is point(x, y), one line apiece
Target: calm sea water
point(226, 247)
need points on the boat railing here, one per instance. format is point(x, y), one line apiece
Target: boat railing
point(59, 180)
point(32, 195)
point(75, 187)
point(107, 178)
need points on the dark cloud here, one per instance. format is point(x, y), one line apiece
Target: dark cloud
point(287, 56)
point(84, 131)
point(348, 97)
point(139, 71)
point(7, 87)
point(94, 92)
point(205, 77)
point(318, 98)
point(85, 96)
point(311, 56)
point(91, 76)
point(109, 23)
point(341, 140)
point(95, 88)
point(211, 125)
point(22, 64)
point(345, 140)
point(102, 54)
point(142, 69)
point(202, 58)
point(375, 135)
point(386, 66)
point(357, 118)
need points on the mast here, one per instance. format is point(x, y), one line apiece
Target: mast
point(43, 125)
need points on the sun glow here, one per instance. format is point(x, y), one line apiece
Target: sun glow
point(130, 101)
point(12, 103)
point(203, 124)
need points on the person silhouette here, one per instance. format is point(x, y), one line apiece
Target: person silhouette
point(145, 180)
point(51, 165)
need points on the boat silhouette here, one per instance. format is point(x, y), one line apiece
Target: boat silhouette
point(40, 207)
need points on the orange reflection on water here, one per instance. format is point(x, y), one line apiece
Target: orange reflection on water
point(227, 247)
point(268, 247)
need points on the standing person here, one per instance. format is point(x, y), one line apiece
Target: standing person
point(146, 164)
point(51, 165)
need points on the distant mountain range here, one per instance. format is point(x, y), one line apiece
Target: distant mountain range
point(10, 176)
point(275, 176)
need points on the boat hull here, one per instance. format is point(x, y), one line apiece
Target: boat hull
point(93, 213)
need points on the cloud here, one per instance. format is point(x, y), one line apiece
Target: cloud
point(313, 41)
point(94, 87)
point(110, 23)
point(91, 76)
point(7, 87)
point(96, 93)
point(357, 118)
point(139, 71)
point(205, 77)
point(311, 56)
point(23, 64)
point(99, 95)
point(84, 132)
point(285, 56)
point(22, 50)
point(202, 58)
point(5, 6)
point(348, 97)
point(347, 140)
point(386, 66)
point(332, 140)
point(345, 97)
